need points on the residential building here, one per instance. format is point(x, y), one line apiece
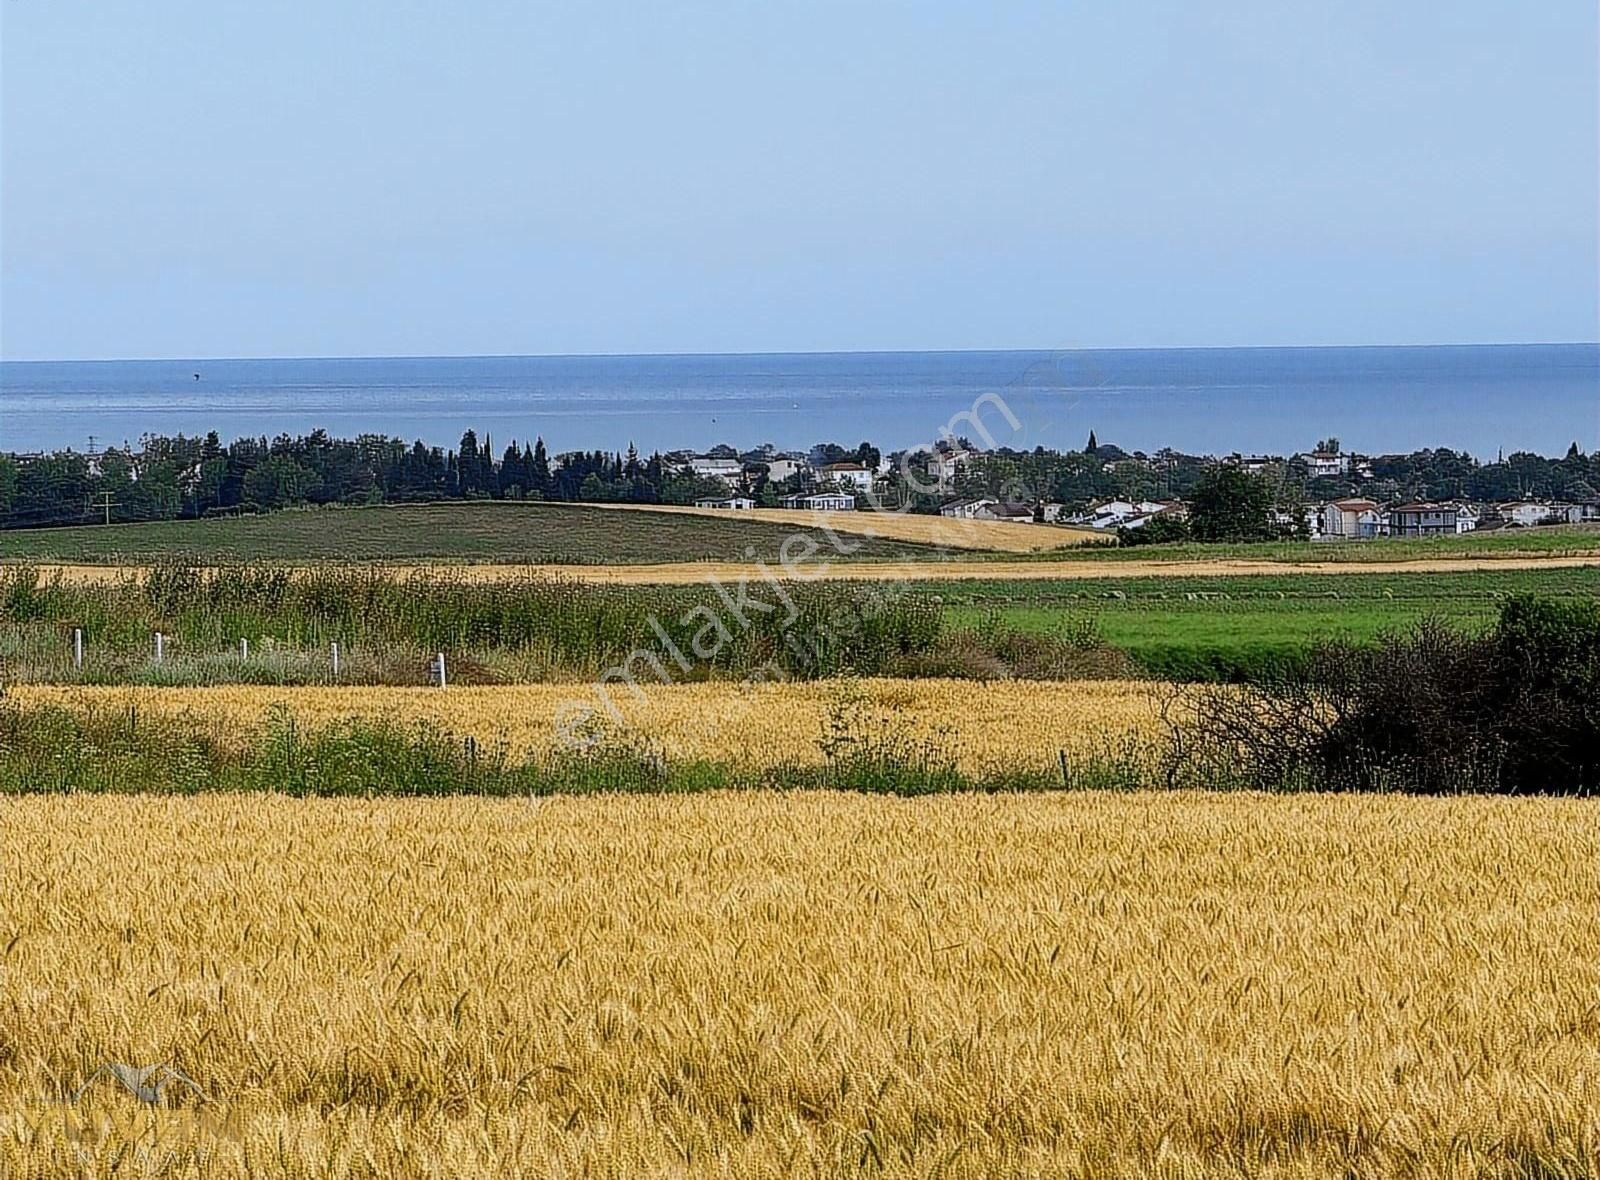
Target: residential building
point(850, 475)
point(965, 509)
point(781, 467)
point(1114, 514)
point(946, 463)
point(729, 470)
point(1532, 512)
point(1345, 520)
point(1423, 519)
point(997, 510)
point(822, 501)
point(1322, 464)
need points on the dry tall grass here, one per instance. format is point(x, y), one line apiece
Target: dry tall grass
point(984, 726)
point(826, 567)
point(818, 985)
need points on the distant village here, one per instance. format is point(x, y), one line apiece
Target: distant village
point(841, 485)
point(1325, 493)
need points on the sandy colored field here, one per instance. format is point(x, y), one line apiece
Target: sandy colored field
point(993, 535)
point(763, 985)
point(873, 571)
point(993, 726)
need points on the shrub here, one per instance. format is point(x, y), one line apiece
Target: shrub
point(1431, 711)
point(868, 750)
point(1158, 530)
point(1547, 683)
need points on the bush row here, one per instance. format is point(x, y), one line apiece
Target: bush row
point(1431, 710)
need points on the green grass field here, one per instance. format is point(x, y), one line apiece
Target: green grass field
point(572, 534)
point(1552, 541)
point(1223, 627)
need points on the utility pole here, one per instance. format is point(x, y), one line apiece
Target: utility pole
point(107, 503)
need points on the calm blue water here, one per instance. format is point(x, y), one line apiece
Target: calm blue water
point(1481, 398)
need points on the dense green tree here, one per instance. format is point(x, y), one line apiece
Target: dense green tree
point(9, 478)
point(1230, 504)
point(279, 482)
point(540, 480)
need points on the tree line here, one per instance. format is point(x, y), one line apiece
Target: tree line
point(1103, 471)
point(185, 477)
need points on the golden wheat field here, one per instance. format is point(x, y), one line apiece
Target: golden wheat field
point(983, 726)
point(814, 984)
point(948, 532)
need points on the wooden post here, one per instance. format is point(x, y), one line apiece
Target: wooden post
point(77, 648)
point(441, 670)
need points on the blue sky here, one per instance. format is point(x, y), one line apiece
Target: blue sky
point(213, 178)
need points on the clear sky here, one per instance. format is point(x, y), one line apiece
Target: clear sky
point(371, 177)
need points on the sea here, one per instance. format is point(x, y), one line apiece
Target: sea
point(1484, 399)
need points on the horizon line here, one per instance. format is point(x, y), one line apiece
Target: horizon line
point(445, 356)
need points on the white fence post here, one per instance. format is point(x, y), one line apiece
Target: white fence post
point(158, 646)
point(336, 659)
point(441, 670)
point(244, 648)
point(77, 647)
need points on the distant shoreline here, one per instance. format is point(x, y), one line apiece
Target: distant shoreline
point(759, 353)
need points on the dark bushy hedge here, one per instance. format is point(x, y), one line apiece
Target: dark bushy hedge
point(1431, 710)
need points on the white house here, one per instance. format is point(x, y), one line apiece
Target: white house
point(1344, 520)
point(965, 509)
point(946, 463)
point(1320, 464)
point(731, 503)
point(727, 470)
point(854, 476)
point(822, 501)
point(1113, 514)
point(1531, 512)
point(782, 467)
